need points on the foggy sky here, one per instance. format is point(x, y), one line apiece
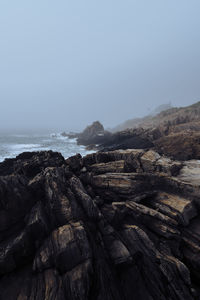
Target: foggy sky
point(65, 63)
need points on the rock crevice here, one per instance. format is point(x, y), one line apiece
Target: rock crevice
point(112, 225)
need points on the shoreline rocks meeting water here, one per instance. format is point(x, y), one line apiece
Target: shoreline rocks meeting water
point(99, 179)
point(122, 224)
point(119, 224)
point(91, 136)
point(174, 132)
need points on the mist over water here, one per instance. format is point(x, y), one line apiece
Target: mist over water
point(66, 64)
point(12, 145)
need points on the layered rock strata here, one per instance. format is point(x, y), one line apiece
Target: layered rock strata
point(112, 225)
point(174, 132)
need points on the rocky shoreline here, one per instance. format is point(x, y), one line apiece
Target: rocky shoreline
point(122, 224)
point(174, 132)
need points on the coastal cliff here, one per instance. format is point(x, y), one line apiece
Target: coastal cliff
point(174, 132)
point(111, 225)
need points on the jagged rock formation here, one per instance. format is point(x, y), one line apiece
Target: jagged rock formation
point(174, 133)
point(90, 136)
point(112, 225)
point(93, 134)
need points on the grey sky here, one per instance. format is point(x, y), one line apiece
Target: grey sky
point(64, 64)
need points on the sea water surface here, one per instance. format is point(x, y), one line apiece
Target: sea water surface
point(13, 144)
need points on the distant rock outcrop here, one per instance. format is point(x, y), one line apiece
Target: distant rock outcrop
point(174, 133)
point(117, 225)
point(139, 122)
point(96, 128)
point(93, 134)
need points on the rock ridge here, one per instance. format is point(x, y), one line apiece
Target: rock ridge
point(114, 225)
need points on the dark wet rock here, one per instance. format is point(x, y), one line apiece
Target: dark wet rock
point(128, 139)
point(75, 163)
point(64, 249)
point(31, 163)
point(114, 225)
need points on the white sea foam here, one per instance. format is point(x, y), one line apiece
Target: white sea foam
point(25, 146)
point(72, 141)
point(13, 145)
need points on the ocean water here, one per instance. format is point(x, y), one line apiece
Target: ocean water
point(12, 145)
